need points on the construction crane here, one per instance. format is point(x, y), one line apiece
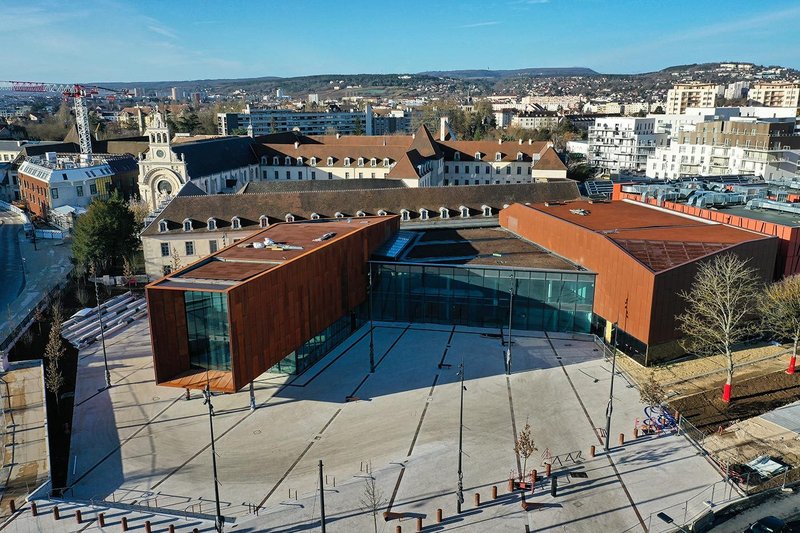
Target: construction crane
point(77, 92)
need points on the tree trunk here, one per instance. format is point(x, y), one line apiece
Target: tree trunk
point(726, 391)
point(793, 360)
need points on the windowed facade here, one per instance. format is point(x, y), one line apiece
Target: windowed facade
point(164, 249)
point(189, 246)
point(212, 246)
point(236, 223)
point(187, 225)
point(207, 328)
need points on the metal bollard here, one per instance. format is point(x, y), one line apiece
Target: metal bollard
point(622, 439)
point(56, 514)
point(534, 475)
point(101, 519)
point(510, 485)
point(548, 468)
point(78, 517)
point(477, 499)
point(124, 523)
point(195, 530)
point(12, 505)
point(554, 486)
point(635, 433)
point(147, 527)
point(419, 524)
point(439, 516)
point(398, 529)
point(171, 528)
point(34, 510)
point(494, 492)
point(592, 450)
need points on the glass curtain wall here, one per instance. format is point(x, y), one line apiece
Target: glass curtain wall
point(207, 325)
point(479, 296)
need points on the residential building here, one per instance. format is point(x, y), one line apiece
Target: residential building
point(266, 121)
point(693, 94)
point(623, 143)
point(776, 94)
point(537, 120)
point(736, 90)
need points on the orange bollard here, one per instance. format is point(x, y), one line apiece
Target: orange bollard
point(147, 527)
point(56, 514)
point(78, 517)
point(622, 439)
point(171, 528)
point(34, 510)
point(510, 485)
point(439, 516)
point(477, 499)
point(592, 450)
point(399, 529)
point(124, 523)
point(534, 475)
point(419, 524)
point(548, 468)
point(101, 519)
point(635, 433)
point(12, 505)
point(494, 492)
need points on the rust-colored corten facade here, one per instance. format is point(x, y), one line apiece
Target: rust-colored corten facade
point(231, 316)
point(643, 257)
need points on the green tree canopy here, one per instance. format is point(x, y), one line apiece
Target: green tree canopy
point(105, 234)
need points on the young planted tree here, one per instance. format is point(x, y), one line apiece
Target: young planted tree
point(524, 447)
point(372, 500)
point(719, 310)
point(780, 309)
point(651, 392)
point(176, 259)
point(53, 352)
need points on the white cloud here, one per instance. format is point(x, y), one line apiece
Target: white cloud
point(480, 24)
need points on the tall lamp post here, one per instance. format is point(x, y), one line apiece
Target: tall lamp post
point(218, 522)
point(510, 315)
point(610, 406)
point(371, 326)
point(460, 493)
point(93, 272)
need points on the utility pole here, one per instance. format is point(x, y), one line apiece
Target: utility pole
point(460, 493)
point(371, 326)
point(610, 406)
point(218, 522)
point(510, 314)
point(321, 498)
point(102, 327)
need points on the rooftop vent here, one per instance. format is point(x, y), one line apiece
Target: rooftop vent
point(580, 212)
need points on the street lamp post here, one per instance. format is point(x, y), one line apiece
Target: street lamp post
point(610, 406)
point(371, 326)
point(102, 327)
point(510, 314)
point(460, 494)
point(218, 522)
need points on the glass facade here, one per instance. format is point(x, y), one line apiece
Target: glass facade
point(318, 346)
point(479, 296)
point(207, 326)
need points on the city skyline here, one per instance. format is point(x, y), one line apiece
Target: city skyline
point(147, 41)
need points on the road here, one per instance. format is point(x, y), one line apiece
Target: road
point(11, 275)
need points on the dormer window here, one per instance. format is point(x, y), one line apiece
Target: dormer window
point(314, 216)
point(347, 161)
point(187, 225)
point(263, 221)
point(162, 226)
point(373, 162)
point(423, 214)
point(360, 213)
point(339, 214)
point(457, 156)
point(264, 160)
point(236, 223)
point(487, 211)
point(361, 161)
point(288, 161)
point(299, 161)
point(519, 156)
point(444, 212)
point(313, 161)
point(289, 217)
point(498, 156)
point(477, 156)
point(276, 161)
point(464, 211)
point(382, 213)
point(386, 162)
point(405, 215)
point(330, 161)
point(211, 224)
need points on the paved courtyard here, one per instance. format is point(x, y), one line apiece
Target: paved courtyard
point(142, 444)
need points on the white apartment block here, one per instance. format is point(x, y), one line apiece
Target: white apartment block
point(685, 95)
point(678, 160)
point(536, 120)
point(623, 143)
point(554, 103)
point(776, 94)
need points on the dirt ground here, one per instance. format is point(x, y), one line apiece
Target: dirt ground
point(752, 438)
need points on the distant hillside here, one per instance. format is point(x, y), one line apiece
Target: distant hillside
point(549, 71)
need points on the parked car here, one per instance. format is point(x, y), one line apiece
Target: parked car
point(768, 524)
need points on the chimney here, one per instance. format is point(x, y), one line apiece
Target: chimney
point(530, 141)
point(499, 141)
point(338, 135)
point(296, 145)
point(444, 124)
point(520, 141)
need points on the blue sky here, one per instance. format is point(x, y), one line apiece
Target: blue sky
point(147, 40)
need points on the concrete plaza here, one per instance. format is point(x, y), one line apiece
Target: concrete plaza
point(141, 444)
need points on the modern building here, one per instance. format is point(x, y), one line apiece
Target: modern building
point(623, 143)
point(776, 94)
point(192, 226)
point(266, 121)
point(643, 257)
point(694, 94)
point(537, 120)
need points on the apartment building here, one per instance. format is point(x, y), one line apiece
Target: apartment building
point(536, 120)
point(623, 143)
point(776, 94)
point(265, 121)
point(685, 95)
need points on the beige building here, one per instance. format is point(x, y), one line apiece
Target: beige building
point(536, 120)
point(685, 95)
point(776, 94)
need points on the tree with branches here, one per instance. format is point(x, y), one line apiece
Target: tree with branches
point(780, 310)
point(719, 310)
point(524, 447)
point(372, 499)
point(53, 352)
point(651, 392)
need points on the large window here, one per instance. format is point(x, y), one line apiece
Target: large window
point(318, 346)
point(207, 327)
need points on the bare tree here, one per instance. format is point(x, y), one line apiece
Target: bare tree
point(176, 259)
point(38, 316)
point(524, 447)
point(780, 310)
point(719, 310)
point(651, 392)
point(140, 210)
point(83, 296)
point(53, 352)
point(372, 499)
point(127, 270)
